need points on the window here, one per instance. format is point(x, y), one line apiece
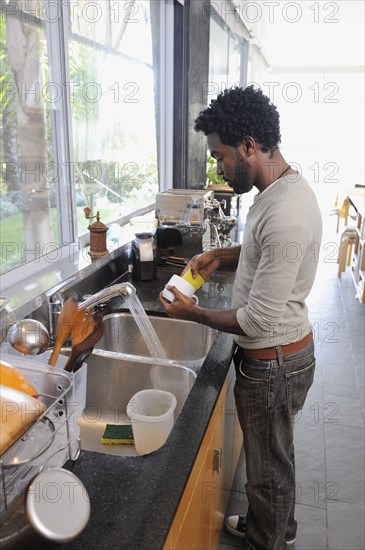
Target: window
point(113, 108)
point(228, 53)
point(28, 224)
point(77, 119)
point(218, 54)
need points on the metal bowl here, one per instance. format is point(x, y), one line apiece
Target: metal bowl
point(28, 336)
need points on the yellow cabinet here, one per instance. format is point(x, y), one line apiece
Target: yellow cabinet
point(199, 518)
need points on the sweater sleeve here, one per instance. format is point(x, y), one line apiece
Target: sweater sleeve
point(283, 242)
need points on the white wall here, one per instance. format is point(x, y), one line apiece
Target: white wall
point(317, 83)
point(309, 33)
point(321, 125)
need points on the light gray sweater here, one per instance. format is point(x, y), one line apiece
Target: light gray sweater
point(277, 264)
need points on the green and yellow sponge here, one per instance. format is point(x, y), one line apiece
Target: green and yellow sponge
point(118, 434)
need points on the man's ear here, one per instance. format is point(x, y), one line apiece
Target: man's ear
point(247, 147)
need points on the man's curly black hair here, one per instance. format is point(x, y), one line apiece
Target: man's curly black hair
point(239, 112)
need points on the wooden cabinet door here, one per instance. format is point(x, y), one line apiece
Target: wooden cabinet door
point(191, 525)
point(199, 519)
point(220, 493)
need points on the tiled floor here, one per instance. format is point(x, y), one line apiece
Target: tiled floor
point(329, 436)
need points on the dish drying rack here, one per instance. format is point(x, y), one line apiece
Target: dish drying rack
point(48, 443)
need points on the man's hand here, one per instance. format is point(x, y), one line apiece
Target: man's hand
point(185, 308)
point(205, 264)
point(181, 308)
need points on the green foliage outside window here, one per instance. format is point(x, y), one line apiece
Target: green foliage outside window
point(212, 176)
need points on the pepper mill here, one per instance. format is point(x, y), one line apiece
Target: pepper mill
point(97, 235)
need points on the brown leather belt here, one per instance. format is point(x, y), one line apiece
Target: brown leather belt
point(272, 353)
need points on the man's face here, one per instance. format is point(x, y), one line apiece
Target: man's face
point(231, 164)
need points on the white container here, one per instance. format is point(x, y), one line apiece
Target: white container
point(152, 416)
point(182, 285)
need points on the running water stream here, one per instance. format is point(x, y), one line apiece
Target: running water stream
point(144, 324)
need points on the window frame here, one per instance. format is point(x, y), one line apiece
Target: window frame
point(58, 66)
point(62, 123)
point(244, 45)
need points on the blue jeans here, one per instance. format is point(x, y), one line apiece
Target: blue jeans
point(268, 394)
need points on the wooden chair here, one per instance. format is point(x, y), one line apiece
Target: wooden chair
point(347, 242)
point(341, 212)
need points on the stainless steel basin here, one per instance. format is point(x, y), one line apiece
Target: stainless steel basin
point(183, 341)
point(111, 382)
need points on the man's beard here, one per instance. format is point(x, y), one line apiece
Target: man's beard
point(241, 182)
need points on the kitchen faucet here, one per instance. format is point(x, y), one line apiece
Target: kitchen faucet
point(55, 302)
point(55, 299)
point(124, 290)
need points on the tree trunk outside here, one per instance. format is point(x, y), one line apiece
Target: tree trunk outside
point(24, 49)
point(10, 146)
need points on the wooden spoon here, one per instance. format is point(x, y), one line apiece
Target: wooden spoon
point(64, 327)
point(82, 327)
point(81, 350)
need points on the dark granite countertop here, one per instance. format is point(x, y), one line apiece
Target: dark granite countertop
point(134, 499)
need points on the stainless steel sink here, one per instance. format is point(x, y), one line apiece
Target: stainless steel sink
point(183, 341)
point(111, 382)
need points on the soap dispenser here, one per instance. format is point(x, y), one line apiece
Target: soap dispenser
point(144, 257)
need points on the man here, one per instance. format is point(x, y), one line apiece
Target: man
point(276, 265)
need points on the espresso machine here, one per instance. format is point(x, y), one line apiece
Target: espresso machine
point(197, 216)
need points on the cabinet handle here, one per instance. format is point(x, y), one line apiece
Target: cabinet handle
point(217, 460)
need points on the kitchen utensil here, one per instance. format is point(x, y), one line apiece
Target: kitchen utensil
point(48, 443)
point(152, 415)
point(147, 222)
point(64, 327)
point(37, 441)
point(13, 420)
point(12, 377)
point(83, 326)
point(182, 285)
point(80, 359)
point(28, 336)
point(144, 257)
point(86, 345)
point(59, 518)
point(172, 260)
